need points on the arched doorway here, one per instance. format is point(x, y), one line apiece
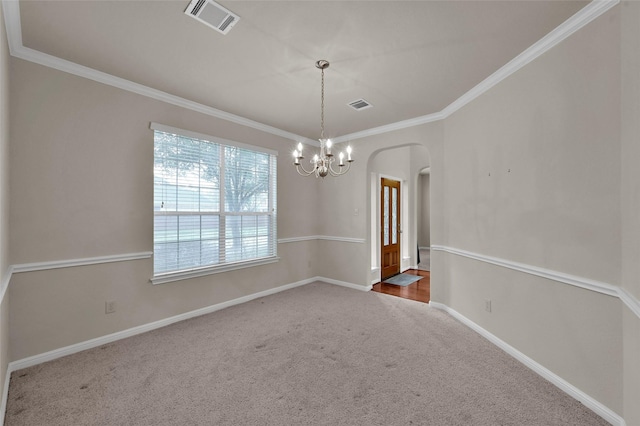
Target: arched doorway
point(402, 163)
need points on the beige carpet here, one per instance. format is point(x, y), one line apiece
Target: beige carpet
point(314, 355)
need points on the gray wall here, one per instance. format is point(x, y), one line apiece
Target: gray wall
point(82, 186)
point(529, 173)
point(4, 201)
point(424, 210)
point(630, 190)
point(531, 176)
point(533, 171)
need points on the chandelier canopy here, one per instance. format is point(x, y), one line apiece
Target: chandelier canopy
point(322, 164)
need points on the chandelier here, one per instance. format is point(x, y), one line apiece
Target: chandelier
point(322, 164)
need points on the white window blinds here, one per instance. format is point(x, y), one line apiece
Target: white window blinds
point(214, 202)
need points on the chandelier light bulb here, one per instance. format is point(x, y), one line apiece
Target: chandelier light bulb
point(341, 159)
point(300, 148)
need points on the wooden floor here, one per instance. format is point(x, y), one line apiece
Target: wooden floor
point(420, 290)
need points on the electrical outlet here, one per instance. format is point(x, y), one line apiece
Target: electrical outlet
point(487, 305)
point(109, 307)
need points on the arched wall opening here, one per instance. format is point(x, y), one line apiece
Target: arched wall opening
point(404, 163)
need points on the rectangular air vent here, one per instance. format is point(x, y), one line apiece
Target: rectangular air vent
point(212, 14)
point(360, 104)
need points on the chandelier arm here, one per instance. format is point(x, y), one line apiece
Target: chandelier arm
point(342, 170)
point(304, 171)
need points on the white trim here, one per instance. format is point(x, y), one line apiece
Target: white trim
point(424, 248)
point(580, 19)
point(591, 403)
point(201, 272)
point(201, 136)
point(13, 25)
point(4, 285)
point(341, 239)
point(412, 122)
point(17, 49)
point(56, 264)
point(321, 237)
point(375, 271)
point(583, 17)
point(5, 393)
point(343, 284)
point(98, 341)
point(600, 287)
point(109, 338)
point(297, 239)
point(631, 302)
point(573, 280)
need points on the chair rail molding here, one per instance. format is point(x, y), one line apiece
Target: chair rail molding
point(321, 237)
point(600, 287)
point(69, 263)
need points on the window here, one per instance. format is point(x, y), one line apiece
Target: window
point(214, 205)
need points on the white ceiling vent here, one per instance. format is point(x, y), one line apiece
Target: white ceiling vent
point(359, 104)
point(212, 14)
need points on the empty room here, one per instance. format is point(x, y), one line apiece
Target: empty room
point(201, 202)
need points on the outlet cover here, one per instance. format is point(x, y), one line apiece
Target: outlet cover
point(109, 307)
point(487, 305)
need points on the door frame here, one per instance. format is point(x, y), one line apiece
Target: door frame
point(395, 248)
point(376, 221)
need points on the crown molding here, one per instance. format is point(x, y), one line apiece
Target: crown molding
point(412, 122)
point(11, 9)
point(587, 14)
point(579, 20)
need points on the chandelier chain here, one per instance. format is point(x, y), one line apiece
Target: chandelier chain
point(322, 107)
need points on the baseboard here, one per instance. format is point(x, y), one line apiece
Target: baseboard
point(408, 267)
point(589, 402)
point(109, 338)
point(99, 341)
point(5, 394)
point(344, 284)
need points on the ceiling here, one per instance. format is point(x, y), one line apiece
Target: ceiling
point(407, 58)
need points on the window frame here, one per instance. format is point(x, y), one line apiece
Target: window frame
point(199, 271)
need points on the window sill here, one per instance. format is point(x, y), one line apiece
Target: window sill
point(201, 272)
